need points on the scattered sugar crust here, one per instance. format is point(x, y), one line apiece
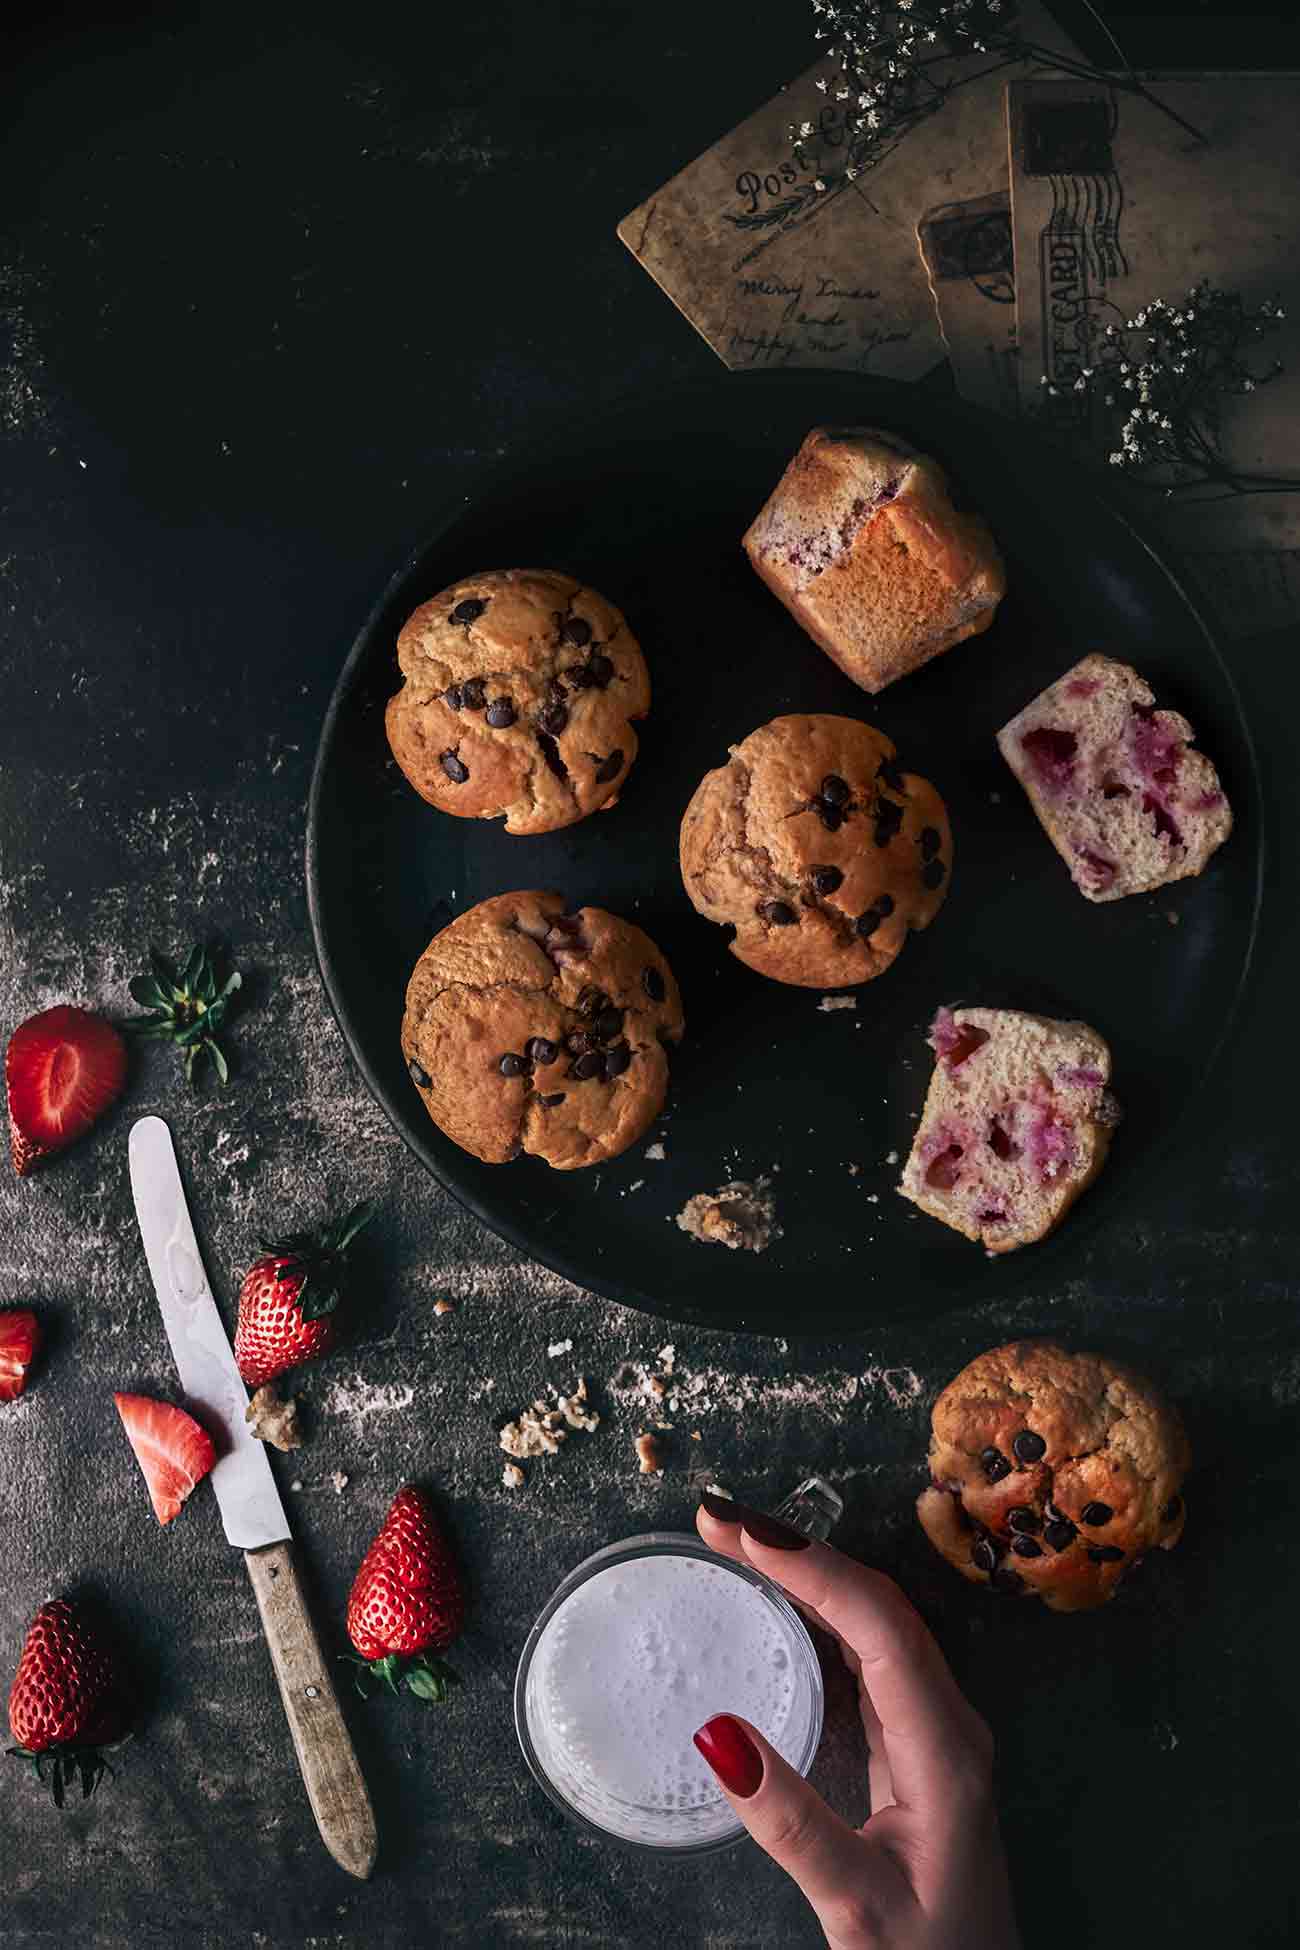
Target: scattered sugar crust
point(356, 1400)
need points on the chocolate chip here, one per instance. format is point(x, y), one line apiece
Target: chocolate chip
point(453, 698)
point(1059, 1533)
point(1026, 1546)
point(500, 713)
point(551, 753)
point(825, 880)
point(930, 842)
point(1029, 1447)
point(932, 874)
point(609, 768)
point(577, 631)
point(418, 1076)
point(579, 1041)
point(1171, 1510)
point(885, 905)
point(541, 1050)
point(470, 610)
point(599, 671)
point(1105, 1553)
point(549, 1103)
point(1096, 1514)
point(835, 790)
point(578, 676)
point(452, 766)
point(591, 1001)
point(1004, 1580)
point(585, 1067)
point(983, 1556)
point(868, 923)
point(889, 819)
point(778, 914)
point(830, 816)
point(553, 719)
point(512, 1065)
point(1024, 1520)
point(608, 1023)
point(653, 984)
point(890, 771)
point(617, 1060)
point(995, 1464)
point(473, 693)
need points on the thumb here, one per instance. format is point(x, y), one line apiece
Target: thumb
point(786, 1816)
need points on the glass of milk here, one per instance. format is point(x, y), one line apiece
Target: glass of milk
point(639, 1646)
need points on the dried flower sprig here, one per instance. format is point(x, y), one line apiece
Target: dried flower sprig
point(890, 75)
point(1162, 378)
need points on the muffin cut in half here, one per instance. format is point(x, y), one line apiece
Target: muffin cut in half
point(1123, 798)
point(1017, 1122)
point(861, 542)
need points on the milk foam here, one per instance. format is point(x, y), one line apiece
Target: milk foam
point(637, 1658)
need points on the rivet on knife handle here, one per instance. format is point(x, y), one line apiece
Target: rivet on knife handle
point(333, 1779)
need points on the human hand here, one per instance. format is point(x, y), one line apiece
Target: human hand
point(927, 1871)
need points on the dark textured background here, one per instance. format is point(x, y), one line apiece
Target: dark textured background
point(270, 276)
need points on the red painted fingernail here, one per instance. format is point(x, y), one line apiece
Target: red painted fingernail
point(771, 1531)
point(731, 1754)
point(724, 1508)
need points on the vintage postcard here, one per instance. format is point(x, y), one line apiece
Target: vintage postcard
point(773, 271)
point(1113, 204)
point(966, 250)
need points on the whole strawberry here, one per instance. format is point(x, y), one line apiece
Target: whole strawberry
point(288, 1297)
point(407, 1599)
point(63, 1068)
point(68, 1698)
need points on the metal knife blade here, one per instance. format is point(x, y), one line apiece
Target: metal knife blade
point(251, 1511)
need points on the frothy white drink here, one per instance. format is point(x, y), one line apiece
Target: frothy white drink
point(632, 1662)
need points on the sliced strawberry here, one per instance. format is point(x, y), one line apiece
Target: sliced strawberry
point(170, 1447)
point(63, 1069)
point(20, 1337)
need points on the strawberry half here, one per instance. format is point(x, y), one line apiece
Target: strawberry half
point(20, 1339)
point(407, 1600)
point(63, 1068)
point(68, 1698)
point(171, 1448)
point(288, 1297)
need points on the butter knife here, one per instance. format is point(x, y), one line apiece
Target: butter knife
point(251, 1511)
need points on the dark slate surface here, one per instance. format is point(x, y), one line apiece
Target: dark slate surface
point(270, 278)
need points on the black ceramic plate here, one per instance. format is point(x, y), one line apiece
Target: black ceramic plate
point(649, 507)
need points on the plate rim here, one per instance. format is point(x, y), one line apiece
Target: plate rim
point(522, 455)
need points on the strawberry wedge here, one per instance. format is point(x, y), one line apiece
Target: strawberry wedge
point(170, 1447)
point(20, 1338)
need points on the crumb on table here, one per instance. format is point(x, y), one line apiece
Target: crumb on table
point(273, 1420)
point(512, 1476)
point(649, 1454)
point(540, 1430)
point(656, 1152)
point(442, 1306)
point(830, 1002)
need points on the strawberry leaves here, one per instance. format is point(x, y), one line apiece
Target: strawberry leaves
point(430, 1679)
point(185, 1007)
point(66, 1766)
point(317, 1261)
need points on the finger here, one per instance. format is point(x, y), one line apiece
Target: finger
point(934, 1742)
point(789, 1819)
point(719, 1521)
point(879, 1780)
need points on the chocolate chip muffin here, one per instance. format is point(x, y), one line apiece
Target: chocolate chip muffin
point(532, 1029)
point(861, 542)
point(1052, 1473)
point(520, 690)
point(818, 849)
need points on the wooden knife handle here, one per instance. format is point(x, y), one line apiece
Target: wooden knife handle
point(333, 1778)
